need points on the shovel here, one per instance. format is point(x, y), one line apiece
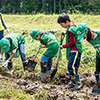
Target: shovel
point(55, 70)
point(7, 70)
point(31, 63)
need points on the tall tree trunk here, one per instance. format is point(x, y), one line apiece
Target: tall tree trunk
point(59, 6)
point(65, 1)
point(54, 6)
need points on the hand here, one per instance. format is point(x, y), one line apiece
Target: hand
point(61, 46)
point(7, 30)
point(1, 58)
point(40, 46)
point(63, 33)
point(54, 31)
point(5, 64)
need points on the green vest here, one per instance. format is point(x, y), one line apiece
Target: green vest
point(16, 40)
point(96, 43)
point(78, 43)
point(51, 42)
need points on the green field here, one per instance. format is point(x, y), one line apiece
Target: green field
point(24, 24)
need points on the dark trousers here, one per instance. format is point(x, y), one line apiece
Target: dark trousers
point(74, 62)
point(97, 65)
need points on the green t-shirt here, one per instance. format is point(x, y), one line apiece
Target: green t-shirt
point(50, 41)
point(16, 40)
point(78, 43)
point(96, 43)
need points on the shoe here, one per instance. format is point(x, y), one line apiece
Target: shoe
point(70, 86)
point(77, 86)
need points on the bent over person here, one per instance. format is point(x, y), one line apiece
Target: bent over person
point(13, 45)
point(49, 41)
point(93, 37)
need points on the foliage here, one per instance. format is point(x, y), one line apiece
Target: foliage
point(49, 6)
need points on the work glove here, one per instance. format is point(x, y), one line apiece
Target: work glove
point(1, 58)
point(63, 33)
point(5, 64)
point(61, 46)
point(7, 30)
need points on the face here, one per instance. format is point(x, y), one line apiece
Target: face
point(64, 25)
point(37, 37)
point(85, 35)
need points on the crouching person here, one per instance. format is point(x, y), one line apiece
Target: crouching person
point(13, 45)
point(49, 41)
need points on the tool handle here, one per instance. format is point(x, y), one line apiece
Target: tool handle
point(5, 68)
point(36, 53)
point(58, 56)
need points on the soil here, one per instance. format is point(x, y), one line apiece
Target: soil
point(55, 88)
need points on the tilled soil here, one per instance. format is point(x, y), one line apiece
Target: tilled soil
point(55, 89)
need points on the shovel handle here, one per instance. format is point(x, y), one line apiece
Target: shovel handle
point(36, 53)
point(62, 38)
point(6, 68)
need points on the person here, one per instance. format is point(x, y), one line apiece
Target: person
point(73, 50)
point(48, 40)
point(13, 45)
point(2, 24)
point(93, 37)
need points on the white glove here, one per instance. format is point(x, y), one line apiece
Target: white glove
point(1, 58)
point(5, 64)
point(61, 46)
point(7, 30)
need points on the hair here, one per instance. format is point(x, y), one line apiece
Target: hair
point(89, 35)
point(63, 18)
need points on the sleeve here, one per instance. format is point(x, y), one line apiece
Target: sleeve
point(14, 51)
point(71, 40)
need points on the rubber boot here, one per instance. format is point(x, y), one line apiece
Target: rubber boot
point(97, 77)
point(49, 64)
point(43, 68)
point(96, 88)
point(10, 65)
point(25, 65)
point(77, 82)
point(72, 85)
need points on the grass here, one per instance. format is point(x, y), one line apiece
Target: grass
point(24, 24)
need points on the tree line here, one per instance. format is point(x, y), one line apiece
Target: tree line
point(50, 6)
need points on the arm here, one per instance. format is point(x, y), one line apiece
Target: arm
point(11, 56)
point(3, 24)
point(71, 40)
point(42, 46)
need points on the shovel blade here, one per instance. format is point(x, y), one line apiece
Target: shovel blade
point(53, 73)
point(31, 65)
point(96, 88)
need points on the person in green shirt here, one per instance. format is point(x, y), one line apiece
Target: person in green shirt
point(93, 37)
point(49, 41)
point(73, 48)
point(2, 24)
point(13, 45)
